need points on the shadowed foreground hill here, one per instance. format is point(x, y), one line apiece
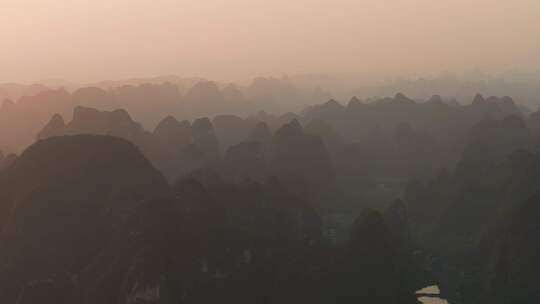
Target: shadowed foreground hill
point(517, 254)
point(87, 219)
point(61, 203)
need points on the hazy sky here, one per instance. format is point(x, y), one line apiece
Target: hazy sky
point(87, 40)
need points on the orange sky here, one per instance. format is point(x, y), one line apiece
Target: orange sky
point(88, 40)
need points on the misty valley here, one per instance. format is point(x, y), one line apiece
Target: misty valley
point(386, 200)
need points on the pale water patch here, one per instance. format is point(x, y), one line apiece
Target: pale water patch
point(432, 300)
point(432, 290)
point(429, 295)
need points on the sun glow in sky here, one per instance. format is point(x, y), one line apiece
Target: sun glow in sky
point(86, 40)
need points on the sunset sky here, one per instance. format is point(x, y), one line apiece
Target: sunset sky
point(83, 40)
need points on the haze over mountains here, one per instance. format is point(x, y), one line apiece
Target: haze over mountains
point(312, 152)
point(190, 98)
point(190, 191)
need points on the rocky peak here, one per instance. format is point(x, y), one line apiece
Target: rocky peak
point(203, 126)
point(400, 97)
point(301, 156)
point(170, 128)
point(478, 99)
point(92, 121)
point(261, 133)
point(293, 128)
point(93, 97)
point(205, 98)
point(329, 110)
point(332, 103)
point(436, 99)
point(55, 127)
point(166, 123)
point(205, 138)
point(355, 100)
point(84, 114)
point(121, 116)
point(204, 89)
point(88, 183)
point(231, 93)
point(89, 93)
